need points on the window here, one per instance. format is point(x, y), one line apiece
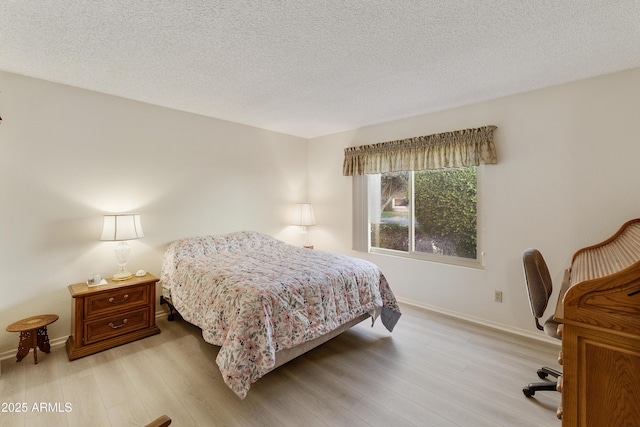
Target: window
point(431, 211)
point(427, 213)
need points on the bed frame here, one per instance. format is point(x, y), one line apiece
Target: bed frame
point(166, 300)
point(288, 354)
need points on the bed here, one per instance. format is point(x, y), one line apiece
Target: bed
point(265, 302)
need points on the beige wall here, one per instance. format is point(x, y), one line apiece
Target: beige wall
point(68, 155)
point(567, 177)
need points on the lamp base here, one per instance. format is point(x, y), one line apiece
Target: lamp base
point(122, 275)
point(122, 252)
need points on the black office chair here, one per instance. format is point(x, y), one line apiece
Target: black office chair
point(539, 286)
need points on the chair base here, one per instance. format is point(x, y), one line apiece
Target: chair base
point(543, 373)
point(531, 389)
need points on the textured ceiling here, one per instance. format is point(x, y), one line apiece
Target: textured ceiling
point(315, 67)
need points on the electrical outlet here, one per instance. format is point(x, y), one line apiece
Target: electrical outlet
point(497, 296)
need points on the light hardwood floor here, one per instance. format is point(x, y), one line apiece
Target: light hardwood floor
point(431, 371)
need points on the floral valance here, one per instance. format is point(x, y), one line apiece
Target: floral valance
point(468, 147)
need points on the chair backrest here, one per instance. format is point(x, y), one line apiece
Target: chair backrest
point(538, 281)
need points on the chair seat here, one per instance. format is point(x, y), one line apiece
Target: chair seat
point(551, 328)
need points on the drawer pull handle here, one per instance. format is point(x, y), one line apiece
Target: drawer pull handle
point(113, 301)
point(112, 326)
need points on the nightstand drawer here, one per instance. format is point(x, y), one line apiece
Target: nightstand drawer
point(120, 324)
point(116, 300)
point(111, 314)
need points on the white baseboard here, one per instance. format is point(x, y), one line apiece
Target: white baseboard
point(489, 324)
point(60, 341)
point(56, 342)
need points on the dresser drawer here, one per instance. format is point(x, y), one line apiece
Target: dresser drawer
point(116, 300)
point(119, 324)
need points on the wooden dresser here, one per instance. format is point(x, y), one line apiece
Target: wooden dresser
point(106, 316)
point(599, 307)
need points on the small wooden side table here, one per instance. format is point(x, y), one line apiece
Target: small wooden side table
point(33, 334)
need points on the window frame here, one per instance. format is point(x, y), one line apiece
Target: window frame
point(477, 263)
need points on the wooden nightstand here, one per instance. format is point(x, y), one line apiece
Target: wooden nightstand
point(109, 315)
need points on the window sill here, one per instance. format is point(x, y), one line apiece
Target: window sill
point(440, 259)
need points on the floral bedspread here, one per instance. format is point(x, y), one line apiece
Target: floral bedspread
point(254, 295)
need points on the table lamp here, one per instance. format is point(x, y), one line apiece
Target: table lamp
point(120, 228)
point(303, 216)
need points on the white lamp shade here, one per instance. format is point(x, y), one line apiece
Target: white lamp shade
point(304, 215)
point(122, 227)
